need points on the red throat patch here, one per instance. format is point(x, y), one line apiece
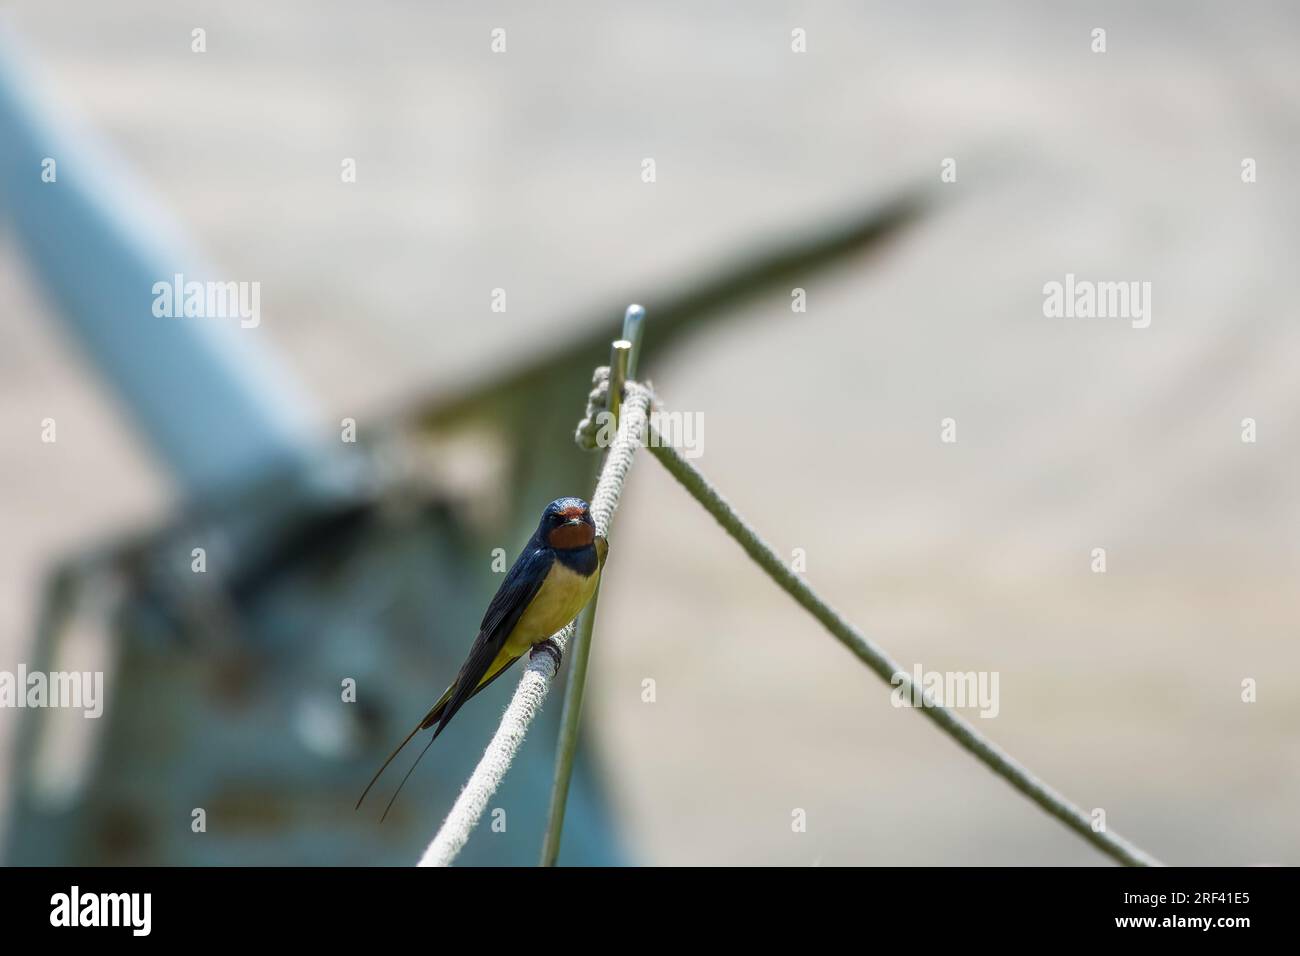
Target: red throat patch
point(568, 536)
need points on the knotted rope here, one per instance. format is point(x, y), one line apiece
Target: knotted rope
point(540, 672)
point(633, 431)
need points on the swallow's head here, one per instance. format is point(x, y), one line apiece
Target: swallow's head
point(567, 525)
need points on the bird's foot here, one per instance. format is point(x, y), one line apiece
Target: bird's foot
point(548, 646)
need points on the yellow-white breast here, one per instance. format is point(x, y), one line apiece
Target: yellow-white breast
point(563, 594)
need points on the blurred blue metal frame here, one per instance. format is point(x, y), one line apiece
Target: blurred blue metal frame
point(211, 398)
point(222, 413)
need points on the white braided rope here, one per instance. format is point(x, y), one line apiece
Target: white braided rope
point(540, 672)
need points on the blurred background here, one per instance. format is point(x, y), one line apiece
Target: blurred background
point(522, 171)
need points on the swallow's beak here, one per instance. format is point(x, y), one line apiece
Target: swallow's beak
point(575, 521)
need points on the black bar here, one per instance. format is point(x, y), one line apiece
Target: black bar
point(333, 906)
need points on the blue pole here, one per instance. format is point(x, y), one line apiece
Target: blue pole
point(214, 403)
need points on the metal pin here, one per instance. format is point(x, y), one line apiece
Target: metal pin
point(620, 358)
point(633, 328)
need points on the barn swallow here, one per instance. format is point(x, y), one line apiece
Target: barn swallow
point(550, 582)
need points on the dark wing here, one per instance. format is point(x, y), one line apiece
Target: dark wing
point(523, 581)
point(517, 591)
point(435, 712)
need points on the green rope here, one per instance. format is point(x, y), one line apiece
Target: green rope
point(996, 759)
